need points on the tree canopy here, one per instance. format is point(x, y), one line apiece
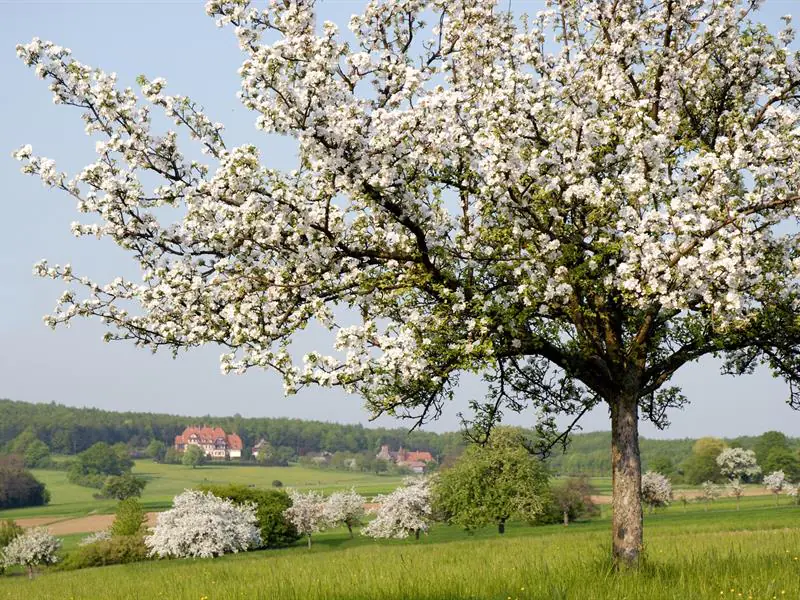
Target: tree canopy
point(574, 205)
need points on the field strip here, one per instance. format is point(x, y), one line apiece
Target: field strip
point(67, 526)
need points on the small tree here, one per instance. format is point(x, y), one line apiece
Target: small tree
point(306, 513)
point(774, 482)
point(656, 490)
point(8, 531)
point(793, 491)
point(33, 548)
point(709, 492)
point(193, 457)
point(684, 501)
point(129, 519)
point(405, 511)
point(124, 486)
point(491, 483)
point(202, 525)
point(574, 498)
point(736, 489)
point(736, 463)
point(344, 508)
point(156, 450)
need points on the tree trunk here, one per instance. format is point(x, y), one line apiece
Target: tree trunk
point(350, 529)
point(501, 526)
point(737, 502)
point(30, 571)
point(627, 527)
point(566, 518)
point(416, 534)
point(309, 541)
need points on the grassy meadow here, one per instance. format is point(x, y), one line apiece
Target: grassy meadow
point(166, 481)
point(753, 553)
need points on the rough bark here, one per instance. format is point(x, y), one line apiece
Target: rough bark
point(350, 529)
point(627, 527)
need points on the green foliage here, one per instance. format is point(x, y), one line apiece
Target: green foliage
point(570, 501)
point(124, 486)
point(193, 457)
point(129, 518)
point(277, 483)
point(766, 443)
point(702, 463)
point(8, 531)
point(118, 550)
point(276, 531)
point(36, 454)
point(782, 459)
point(491, 484)
point(18, 487)
point(91, 467)
point(172, 457)
point(156, 450)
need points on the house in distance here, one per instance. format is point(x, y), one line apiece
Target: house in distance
point(213, 441)
point(414, 460)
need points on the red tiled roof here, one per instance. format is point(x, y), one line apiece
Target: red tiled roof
point(208, 435)
point(416, 456)
point(234, 442)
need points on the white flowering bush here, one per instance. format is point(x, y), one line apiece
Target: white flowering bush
point(736, 489)
point(307, 513)
point(793, 491)
point(633, 161)
point(709, 491)
point(656, 489)
point(97, 536)
point(774, 483)
point(735, 463)
point(405, 511)
point(344, 508)
point(202, 525)
point(33, 548)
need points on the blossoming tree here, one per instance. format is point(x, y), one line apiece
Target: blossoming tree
point(199, 524)
point(33, 548)
point(344, 508)
point(574, 205)
point(405, 511)
point(656, 490)
point(735, 463)
point(307, 513)
point(736, 489)
point(775, 482)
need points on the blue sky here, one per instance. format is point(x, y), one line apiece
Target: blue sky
point(175, 40)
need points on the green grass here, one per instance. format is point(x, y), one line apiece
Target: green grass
point(166, 481)
point(694, 555)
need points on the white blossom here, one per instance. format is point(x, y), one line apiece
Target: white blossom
point(307, 513)
point(774, 482)
point(344, 508)
point(202, 525)
point(709, 490)
point(33, 548)
point(405, 511)
point(735, 463)
point(656, 489)
point(98, 536)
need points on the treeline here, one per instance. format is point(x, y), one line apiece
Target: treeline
point(70, 430)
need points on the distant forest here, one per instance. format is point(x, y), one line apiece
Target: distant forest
point(69, 430)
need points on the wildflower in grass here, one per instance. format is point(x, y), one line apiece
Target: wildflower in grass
point(775, 482)
point(405, 511)
point(33, 548)
point(307, 513)
point(344, 508)
point(200, 524)
point(656, 490)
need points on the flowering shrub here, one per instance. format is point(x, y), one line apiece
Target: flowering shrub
point(32, 548)
point(709, 492)
point(405, 511)
point(344, 508)
point(775, 482)
point(97, 536)
point(307, 513)
point(201, 525)
point(656, 489)
point(735, 463)
point(736, 489)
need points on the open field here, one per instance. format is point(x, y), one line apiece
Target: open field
point(696, 554)
point(166, 481)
